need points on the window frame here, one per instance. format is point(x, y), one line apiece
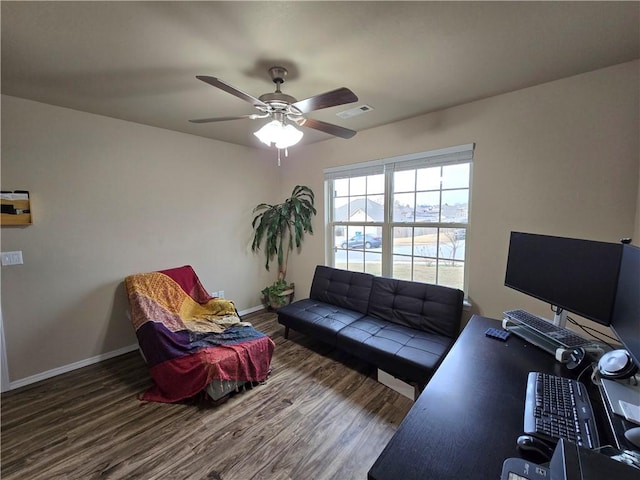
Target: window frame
point(462, 154)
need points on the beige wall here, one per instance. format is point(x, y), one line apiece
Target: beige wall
point(560, 158)
point(111, 198)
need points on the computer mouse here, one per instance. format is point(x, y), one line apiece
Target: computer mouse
point(633, 435)
point(528, 443)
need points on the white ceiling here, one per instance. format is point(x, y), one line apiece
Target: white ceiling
point(137, 61)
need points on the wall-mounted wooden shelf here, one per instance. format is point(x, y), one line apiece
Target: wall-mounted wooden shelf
point(18, 204)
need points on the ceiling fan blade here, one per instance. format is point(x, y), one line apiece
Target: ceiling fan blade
point(329, 128)
point(222, 119)
point(216, 82)
point(339, 96)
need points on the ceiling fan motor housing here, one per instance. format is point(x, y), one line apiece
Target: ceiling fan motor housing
point(276, 98)
point(277, 74)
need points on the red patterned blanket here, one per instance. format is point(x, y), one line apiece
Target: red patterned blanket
point(189, 338)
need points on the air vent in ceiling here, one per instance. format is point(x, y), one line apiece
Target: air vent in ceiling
point(353, 112)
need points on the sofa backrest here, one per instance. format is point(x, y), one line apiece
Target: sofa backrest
point(342, 288)
point(432, 308)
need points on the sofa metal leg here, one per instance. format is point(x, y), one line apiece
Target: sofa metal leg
point(286, 332)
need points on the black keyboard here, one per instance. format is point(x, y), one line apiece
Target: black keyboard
point(561, 335)
point(558, 407)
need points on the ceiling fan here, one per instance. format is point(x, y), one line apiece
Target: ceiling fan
point(285, 110)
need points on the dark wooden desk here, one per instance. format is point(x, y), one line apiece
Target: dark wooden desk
point(466, 421)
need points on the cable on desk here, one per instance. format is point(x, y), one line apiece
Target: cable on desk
point(588, 330)
point(591, 365)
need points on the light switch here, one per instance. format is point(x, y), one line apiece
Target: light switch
point(11, 258)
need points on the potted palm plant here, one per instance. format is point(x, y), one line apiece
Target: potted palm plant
point(280, 227)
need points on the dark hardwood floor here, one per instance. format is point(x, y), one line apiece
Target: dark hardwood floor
point(320, 415)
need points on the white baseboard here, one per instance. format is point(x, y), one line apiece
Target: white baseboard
point(72, 366)
point(90, 361)
point(251, 310)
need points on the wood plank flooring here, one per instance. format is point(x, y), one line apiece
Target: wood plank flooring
point(320, 415)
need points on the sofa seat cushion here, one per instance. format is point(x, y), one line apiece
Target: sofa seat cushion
point(404, 352)
point(320, 319)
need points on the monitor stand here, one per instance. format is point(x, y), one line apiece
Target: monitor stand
point(534, 338)
point(560, 317)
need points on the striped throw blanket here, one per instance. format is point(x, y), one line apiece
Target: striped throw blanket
point(189, 338)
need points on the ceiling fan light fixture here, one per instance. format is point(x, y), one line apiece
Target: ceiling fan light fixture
point(276, 132)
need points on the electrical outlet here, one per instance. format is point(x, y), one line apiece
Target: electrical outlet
point(213, 294)
point(11, 258)
point(221, 293)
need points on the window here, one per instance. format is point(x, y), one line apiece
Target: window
point(403, 217)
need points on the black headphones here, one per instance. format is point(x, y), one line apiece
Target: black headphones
point(616, 365)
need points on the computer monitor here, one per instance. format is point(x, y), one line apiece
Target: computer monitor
point(625, 321)
point(573, 275)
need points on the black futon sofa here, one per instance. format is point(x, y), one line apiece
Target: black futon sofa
point(404, 328)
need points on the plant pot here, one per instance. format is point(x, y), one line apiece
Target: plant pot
point(282, 298)
point(276, 299)
point(287, 295)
